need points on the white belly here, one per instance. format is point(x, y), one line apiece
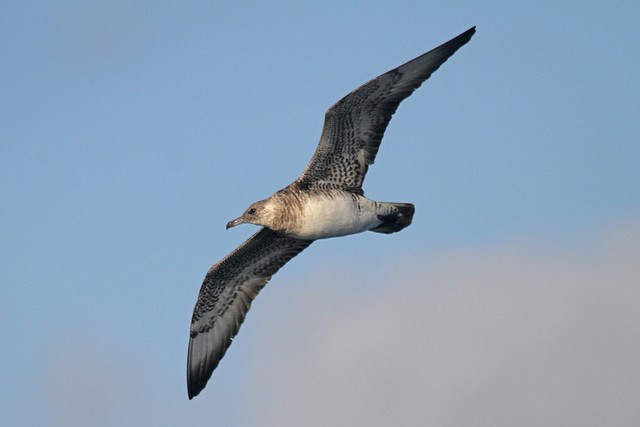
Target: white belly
point(326, 217)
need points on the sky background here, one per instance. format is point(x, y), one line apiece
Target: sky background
point(131, 132)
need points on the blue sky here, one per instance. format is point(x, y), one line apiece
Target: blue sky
point(130, 133)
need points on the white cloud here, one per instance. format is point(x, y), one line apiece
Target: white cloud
point(523, 336)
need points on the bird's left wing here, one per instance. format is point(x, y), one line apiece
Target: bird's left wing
point(226, 295)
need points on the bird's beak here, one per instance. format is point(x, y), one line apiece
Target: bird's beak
point(235, 222)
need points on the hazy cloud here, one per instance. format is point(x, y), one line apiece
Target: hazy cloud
point(524, 335)
point(518, 335)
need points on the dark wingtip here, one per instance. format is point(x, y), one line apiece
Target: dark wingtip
point(194, 387)
point(195, 383)
point(466, 36)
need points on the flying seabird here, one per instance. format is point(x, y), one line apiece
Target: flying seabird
point(325, 201)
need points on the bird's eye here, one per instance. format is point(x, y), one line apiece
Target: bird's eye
point(251, 211)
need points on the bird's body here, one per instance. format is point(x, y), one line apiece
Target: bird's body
point(339, 213)
point(335, 214)
point(326, 201)
point(322, 213)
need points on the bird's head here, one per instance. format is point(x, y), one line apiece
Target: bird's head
point(264, 213)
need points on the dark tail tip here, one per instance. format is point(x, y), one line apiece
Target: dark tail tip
point(396, 221)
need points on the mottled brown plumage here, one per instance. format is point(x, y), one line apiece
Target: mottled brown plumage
point(326, 201)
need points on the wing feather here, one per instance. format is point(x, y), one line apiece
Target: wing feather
point(354, 126)
point(226, 295)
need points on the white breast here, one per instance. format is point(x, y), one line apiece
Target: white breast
point(336, 215)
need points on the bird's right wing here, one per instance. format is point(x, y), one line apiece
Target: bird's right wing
point(226, 295)
point(354, 126)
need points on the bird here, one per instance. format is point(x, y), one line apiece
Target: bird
point(326, 201)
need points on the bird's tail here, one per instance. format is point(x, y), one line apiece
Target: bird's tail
point(400, 217)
